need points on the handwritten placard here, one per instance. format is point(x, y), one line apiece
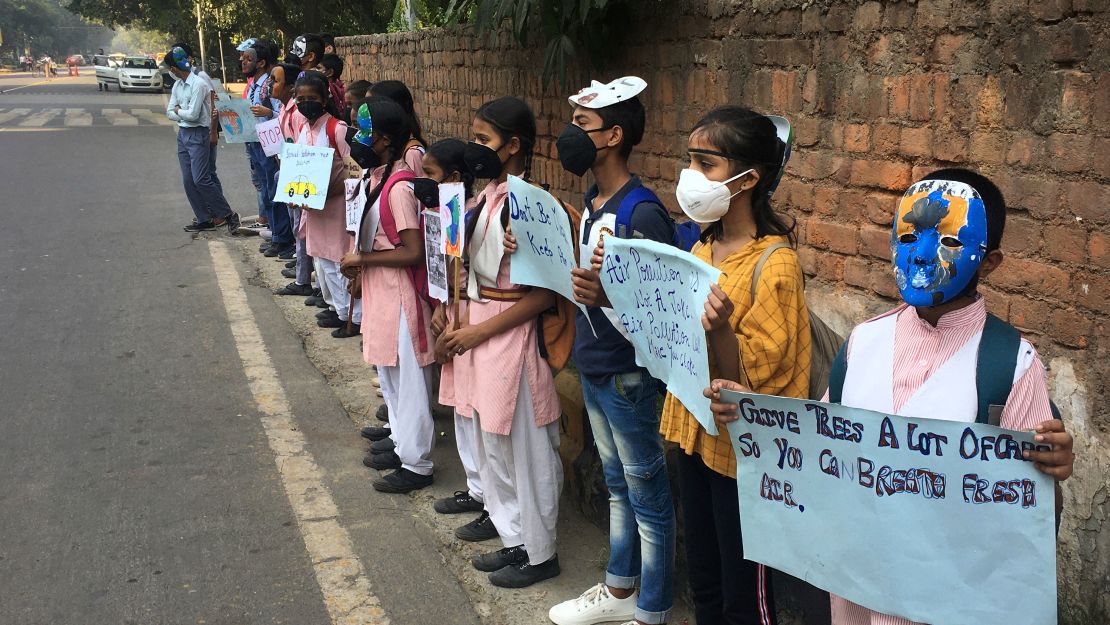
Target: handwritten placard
point(304, 175)
point(355, 193)
point(452, 210)
point(437, 261)
point(934, 521)
point(269, 135)
point(658, 293)
point(237, 121)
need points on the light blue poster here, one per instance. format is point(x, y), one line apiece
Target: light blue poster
point(935, 521)
point(305, 175)
point(544, 240)
point(659, 292)
point(237, 121)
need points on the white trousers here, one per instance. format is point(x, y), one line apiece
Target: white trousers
point(333, 286)
point(405, 389)
point(466, 438)
point(523, 476)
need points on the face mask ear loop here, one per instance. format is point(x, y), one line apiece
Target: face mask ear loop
point(736, 177)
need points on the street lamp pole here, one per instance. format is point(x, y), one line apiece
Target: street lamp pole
point(200, 36)
point(220, 38)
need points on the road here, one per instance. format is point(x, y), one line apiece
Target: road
point(169, 454)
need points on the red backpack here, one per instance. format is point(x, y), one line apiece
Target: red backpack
point(418, 274)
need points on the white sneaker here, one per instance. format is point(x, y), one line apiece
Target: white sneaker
point(595, 605)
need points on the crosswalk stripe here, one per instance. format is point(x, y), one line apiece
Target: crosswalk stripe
point(78, 117)
point(40, 118)
point(12, 114)
point(153, 116)
point(119, 118)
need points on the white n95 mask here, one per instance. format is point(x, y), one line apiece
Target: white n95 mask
point(703, 200)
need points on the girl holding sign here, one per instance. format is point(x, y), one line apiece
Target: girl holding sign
point(735, 160)
point(390, 248)
point(325, 231)
point(511, 390)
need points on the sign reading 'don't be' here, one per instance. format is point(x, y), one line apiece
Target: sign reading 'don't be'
point(935, 521)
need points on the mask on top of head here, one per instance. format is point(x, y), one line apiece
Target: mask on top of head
point(246, 45)
point(179, 58)
point(482, 160)
point(300, 46)
point(938, 240)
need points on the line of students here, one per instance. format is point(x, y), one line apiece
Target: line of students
point(494, 374)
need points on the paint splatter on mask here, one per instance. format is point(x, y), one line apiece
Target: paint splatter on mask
point(938, 240)
point(365, 126)
point(180, 59)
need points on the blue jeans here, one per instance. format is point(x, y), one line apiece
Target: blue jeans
point(197, 157)
point(641, 511)
point(264, 176)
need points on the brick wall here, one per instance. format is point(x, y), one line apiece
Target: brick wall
point(880, 93)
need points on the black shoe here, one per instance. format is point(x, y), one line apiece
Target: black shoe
point(262, 247)
point(385, 445)
point(524, 575)
point(326, 314)
point(331, 322)
point(232, 222)
point(376, 434)
point(458, 503)
point(497, 560)
point(321, 303)
point(274, 250)
point(289, 253)
point(382, 462)
point(291, 264)
point(344, 333)
point(294, 289)
point(200, 226)
point(382, 414)
point(402, 481)
point(289, 273)
point(477, 530)
point(311, 299)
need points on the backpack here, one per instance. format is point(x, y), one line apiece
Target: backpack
point(824, 342)
point(418, 274)
point(686, 234)
point(556, 325)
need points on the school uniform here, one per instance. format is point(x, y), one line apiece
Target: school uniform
point(513, 399)
point(905, 366)
point(264, 168)
point(774, 338)
point(290, 121)
point(397, 336)
point(195, 153)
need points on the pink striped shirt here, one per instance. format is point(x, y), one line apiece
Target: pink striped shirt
point(919, 350)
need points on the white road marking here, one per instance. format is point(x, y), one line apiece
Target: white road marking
point(119, 118)
point(12, 114)
point(41, 118)
point(339, 573)
point(78, 117)
point(153, 117)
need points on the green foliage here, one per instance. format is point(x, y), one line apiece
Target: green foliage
point(570, 29)
point(46, 27)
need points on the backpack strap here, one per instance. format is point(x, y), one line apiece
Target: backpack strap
point(837, 374)
point(771, 249)
point(997, 361)
point(385, 215)
point(333, 123)
point(628, 204)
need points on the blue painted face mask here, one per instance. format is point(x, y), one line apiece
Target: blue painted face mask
point(938, 240)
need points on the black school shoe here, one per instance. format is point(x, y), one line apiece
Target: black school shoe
point(331, 322)
point(458, 503)
point(289, 253)
point(344, 333)
point(326, 314)
point(291, 264)
point(479, 529)
point(376, 433)
point(382, 414)
point(383, 446)
point(311, 300)
point(232, 222)
point(497, 560)
point(274, 250)
point(289, 273)
point(402, 481)
point(524, 575)
point(383, 462)
point(200, 226)
point(302, 290)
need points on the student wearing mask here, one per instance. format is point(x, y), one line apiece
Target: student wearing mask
point(397, 91)
point(736, 158)
point(356, 92)
point(331, 66)
point(290, 120)
point(398, 341)
point(190, 105)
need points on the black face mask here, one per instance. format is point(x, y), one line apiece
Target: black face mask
point(293, 59)
point(364, 155)
point(252, 71)
point(482, 160)
point(577, 151)
point(312, 110)
point(426, 191)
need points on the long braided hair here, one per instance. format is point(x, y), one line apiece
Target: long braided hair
point(510, 117)
point(391, 122)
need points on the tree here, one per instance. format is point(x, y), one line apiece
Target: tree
point(46, 27)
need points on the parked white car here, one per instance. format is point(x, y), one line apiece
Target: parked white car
point(107, 70)
point(139, 72)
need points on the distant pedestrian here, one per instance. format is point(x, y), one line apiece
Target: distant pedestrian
point(190, 106)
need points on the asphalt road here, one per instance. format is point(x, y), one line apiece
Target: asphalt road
point(137, 480)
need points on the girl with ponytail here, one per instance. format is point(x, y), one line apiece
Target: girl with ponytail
point(511, 393)
point(397, 91)
point(388, 250)
point(763, 342)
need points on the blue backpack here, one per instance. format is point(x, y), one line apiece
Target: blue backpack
point(686, 234)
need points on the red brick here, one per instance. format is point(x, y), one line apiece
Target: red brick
point(998, 303)
point(899, 88)
point(1090, 291)
point(875, 242)
point(826, 201)
point(1071, 328)
point(1100, 156)
point(857, 272)
point(1075, 102)
point(1029, 314)
point(879, 206)
point(988, 147)
point(945, 47)
point(1026, 150)
point(857, 137)
point(881, 174)
point(832, 237)
point(916, 142)
point(1100, 106)
point(949, 146)
point(819, 166)
point(1067, 243)
point(1023, 236)
point(1069, 42)
point(794, 194)
point(1098, 248)
point(1069, 153)
point(885, 137)
point(921, 97)
point(868, 16)
point(1030, 276)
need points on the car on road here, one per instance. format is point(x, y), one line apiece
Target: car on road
point(75, 59)
point(300, 186)
point(139, 72)
point(107, 69)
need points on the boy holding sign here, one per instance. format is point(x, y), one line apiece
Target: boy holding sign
point(940, 354)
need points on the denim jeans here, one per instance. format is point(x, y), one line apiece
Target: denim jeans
point(641, 511)
point(197, 157)
point(264, 176)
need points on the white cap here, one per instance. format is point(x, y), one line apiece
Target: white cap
point(599, 95)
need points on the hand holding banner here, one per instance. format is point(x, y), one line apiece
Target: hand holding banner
point(355, 189)
point(237, 121)
point(934, 521)
point(305, 175)
point(659, 293)
point(269, 135)
point(437, 261)
point(452, 209)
